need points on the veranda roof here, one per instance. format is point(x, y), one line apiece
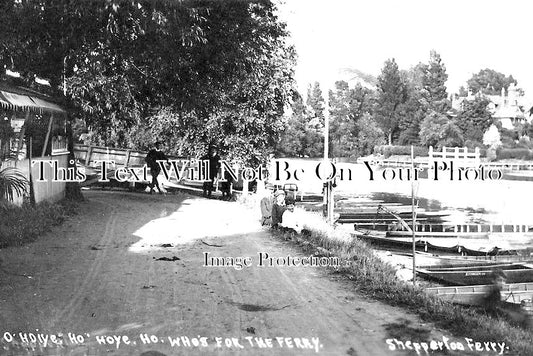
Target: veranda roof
point(19, 99)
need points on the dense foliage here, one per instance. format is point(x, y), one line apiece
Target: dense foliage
point(490, 82)
point(406, 107)
point(188, 73)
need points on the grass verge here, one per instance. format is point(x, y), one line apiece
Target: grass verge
point(377, 279)
point(20, 225)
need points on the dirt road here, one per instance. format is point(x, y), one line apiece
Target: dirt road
point(97, 285)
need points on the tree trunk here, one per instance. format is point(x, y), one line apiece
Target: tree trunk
point(73, 189)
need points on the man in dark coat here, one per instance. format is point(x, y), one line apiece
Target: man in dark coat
point(214, 166)
point(225, 187)
point(152, 158)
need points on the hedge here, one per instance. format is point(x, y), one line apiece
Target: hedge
point(514, 153)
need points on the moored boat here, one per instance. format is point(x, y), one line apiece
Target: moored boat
point(429, 259)
point(475, 294)
point(473, 274)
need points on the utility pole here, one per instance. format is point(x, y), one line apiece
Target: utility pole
point(328, 186)
point(413, 212)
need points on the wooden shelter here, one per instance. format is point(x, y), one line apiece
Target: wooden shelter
point(37, 131)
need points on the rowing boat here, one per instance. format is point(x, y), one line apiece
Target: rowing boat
point(483, 273)
point(475, 294)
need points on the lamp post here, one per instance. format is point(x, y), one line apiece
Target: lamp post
point(328, 186)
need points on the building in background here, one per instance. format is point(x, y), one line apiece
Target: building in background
point(33, 128)
point(510, 108)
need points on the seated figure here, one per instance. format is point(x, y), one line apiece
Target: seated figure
point(290, 219)
point(278, 208)
point(266, 209)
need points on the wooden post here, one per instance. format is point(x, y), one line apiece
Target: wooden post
point(47, 134)
point(244, 187)
point(327, 184)
point(22, 132)
point(128, 153)
point(21, 141)
point(413, 214)
point(32, 192)
point(88, 156)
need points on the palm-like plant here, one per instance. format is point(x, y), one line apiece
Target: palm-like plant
point(12, 183)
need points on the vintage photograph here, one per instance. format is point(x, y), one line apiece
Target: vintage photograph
point(266, 177)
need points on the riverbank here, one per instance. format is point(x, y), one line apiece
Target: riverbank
point(377, 279)
point(129, 275)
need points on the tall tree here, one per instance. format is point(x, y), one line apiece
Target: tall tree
point(415, 107)
point(301, 137)
point(315, 101)
point(391, 94)
point(434, 84)
point(369, 135)
point(490, 82)
point(347, 106)
point(474, 119)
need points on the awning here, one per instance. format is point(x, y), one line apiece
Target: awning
point(26, 102)
point(43, 104)
point(4, 103)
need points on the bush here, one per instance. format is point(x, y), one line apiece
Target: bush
point(388, 151)
point(20, 225)
point(514, 153)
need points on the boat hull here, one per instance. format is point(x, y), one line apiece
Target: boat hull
point(476, 294)
point(477, 274)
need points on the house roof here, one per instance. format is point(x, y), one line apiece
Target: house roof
point(508, 112)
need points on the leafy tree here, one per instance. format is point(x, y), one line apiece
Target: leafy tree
point(413, 111)
point(391, 94)
point(490, 82)
point(369, 135)
point(302, 137)
point(462, 91)
point(437, 130)
point(347, 106)
point(426, 92)
point(474, 119)
point(217, 67)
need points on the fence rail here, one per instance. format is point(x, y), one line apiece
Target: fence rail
point(460, 156)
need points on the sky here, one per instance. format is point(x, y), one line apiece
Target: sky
point(470, 35)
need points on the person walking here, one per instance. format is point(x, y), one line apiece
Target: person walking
point(154, 156)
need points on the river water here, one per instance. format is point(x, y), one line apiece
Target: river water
point(467, 201)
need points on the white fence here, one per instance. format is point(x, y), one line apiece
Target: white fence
point(459, 155)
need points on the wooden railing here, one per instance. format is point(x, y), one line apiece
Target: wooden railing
point(122, 157)
point(459, 155)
